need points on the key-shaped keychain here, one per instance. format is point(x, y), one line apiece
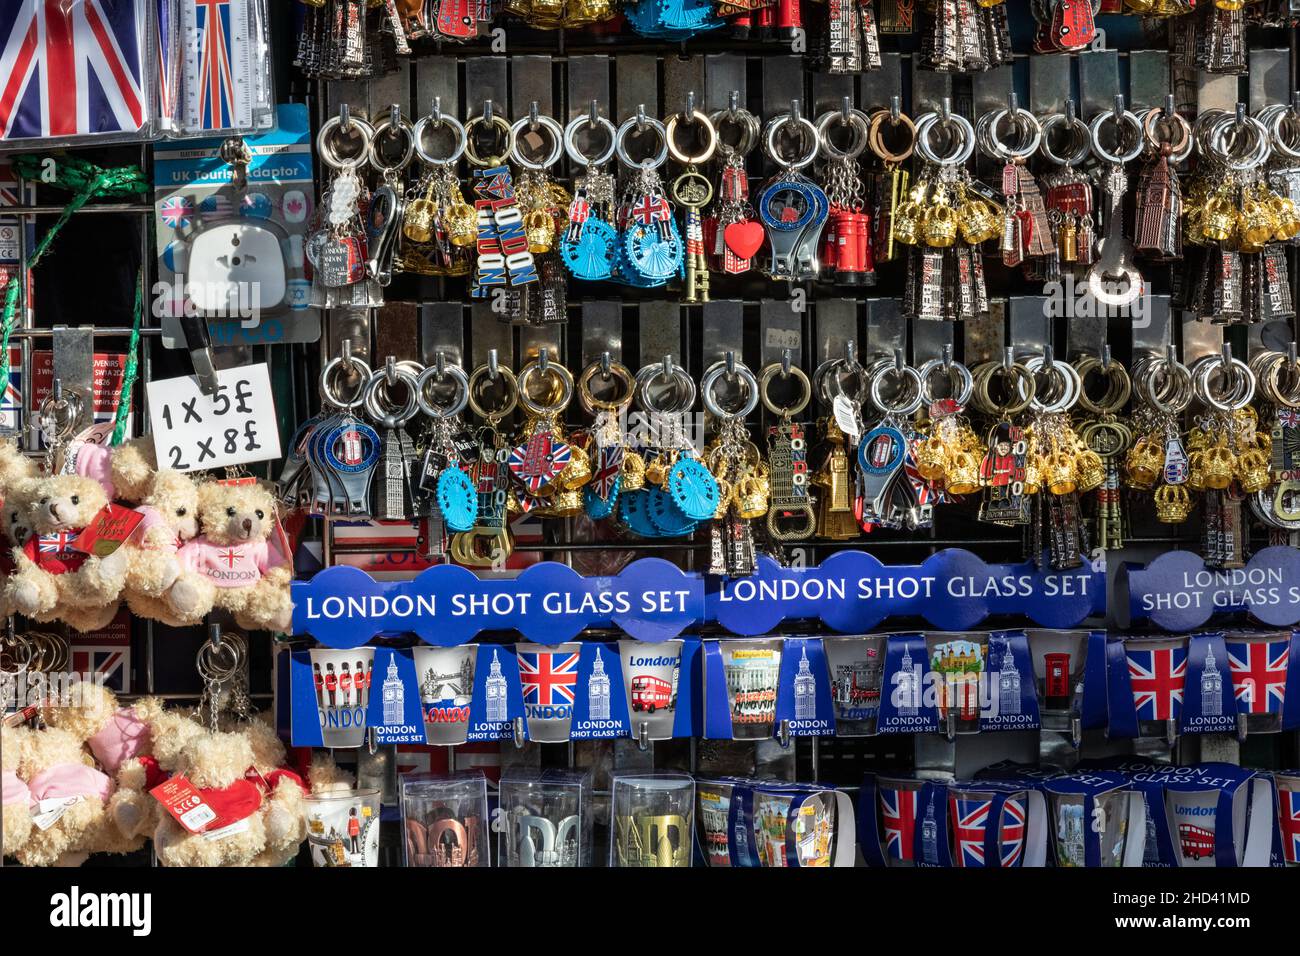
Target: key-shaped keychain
point(692, 191)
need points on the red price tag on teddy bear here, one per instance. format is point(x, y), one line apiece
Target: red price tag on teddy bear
point(179, 798)
point(112, 525)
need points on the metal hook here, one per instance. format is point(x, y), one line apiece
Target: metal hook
point(544, 358)
point(390, 371)
point(1241, 113)
point(345, 118)
point(1013, 105)
point(787, 358)
point(733, 101)
point(604, 364)
point(850, 353)
point(689, 112)
point(594, 116)
point(1008, 358)
point(487, 111)
point(56, 392)
point(1119, 108)
point(533, 110)
point(947, 356)
point(395, 114)
point(1291, 352)
point(1105, 356)
point(347, 354)
point(668, 366)
point(440, 362)
point(1227, 353)
point(946, 110)
point(643, 736)
point(1049, 359)
point(214, 636)
point(731, 364)
point(1069, 111)
point(900, 361)
point(1169, 106)
point(895, 109)
point(1171, 354)
point(640, 118)
point(1295, 101)
point(794, 111)
point(435, 114)
point(493, 367)
point(846, 109)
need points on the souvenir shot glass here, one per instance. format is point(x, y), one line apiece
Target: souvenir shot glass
point(547, 818)
point(652, 816)
point(445, 820)
point(342, 680)
point(343, 828)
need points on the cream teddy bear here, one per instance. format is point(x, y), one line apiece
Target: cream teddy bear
point(16, 811)
point(238, 562)
point(121, 740)
point(69, 797)
point(171, 517)
point(51, 579)
point(15, 528)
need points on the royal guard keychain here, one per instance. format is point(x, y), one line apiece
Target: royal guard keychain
point(589, 247)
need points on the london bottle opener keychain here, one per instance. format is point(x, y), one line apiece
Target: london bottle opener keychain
point(792, 207)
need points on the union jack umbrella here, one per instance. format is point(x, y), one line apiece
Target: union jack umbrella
point(72, 67)
point(1288, 818)
point(539, 461)
point(898, 817)
point(548, 678)
point(1156, 677)
point(1259, 674)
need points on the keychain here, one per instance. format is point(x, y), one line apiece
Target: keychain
point(393, 495)
point(489, 542)
point(386, 210)
point(732, 237)
point(847, 256)
point(692, 191)
point(448, 497)
point(337, 250)
point(740, 472)
point(589, 247)
point(608, 436)
point(793, 208)
point(649, 251)
point(439, 226)
point(545, 205)
point(790, 514)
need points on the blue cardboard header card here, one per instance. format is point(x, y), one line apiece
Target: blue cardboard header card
point(1177, 592)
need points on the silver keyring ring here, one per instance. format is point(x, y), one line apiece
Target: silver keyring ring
point(327, 392)
point(329, 154)
point(857, 121)
point(571, 140)
point(1002, 150)
point(630, 125)
point(926, 121)
point(749, 130)
point(430, 375)
point(388, 128)
point(1127, 118)
point(557, 142)
point(1077, 127)
point(963, 386)
point(400, 415)
point(676, 376)
point(422, 126)
point(805, 126)
point(747, 379)
point(914, 399)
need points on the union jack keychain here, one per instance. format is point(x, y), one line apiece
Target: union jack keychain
point(539, 461)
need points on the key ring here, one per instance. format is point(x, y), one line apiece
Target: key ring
point(859, 125)
point(711, 138)
point(1079, 133)
point(490, 374)
point(1277, 123)
point(928, 121)
point(638, 124)
point(576, 125)
point(829, 379)
point(424, 124)
point(1118, 385)
point(497, 123)
point(1125, 119)
point(1237, 372)
point(431, 376)
point(676, 376)
point(737, 370)
point(877, 141)
point(909, 375)
point(348, 128)
point(806, 129)
point(336, 364)
point(556, 150)
point(1071, 385)
point(959, 378)
point(56, 428)
point(749, 130)
point(561, 374)
point(778, 370)
point(996, 148)
point(393, 125)
point(396, 416)
point(1260, 148)
point(1174, 398)
point(1023, 388)
point(1156, 120)
point(616, 371)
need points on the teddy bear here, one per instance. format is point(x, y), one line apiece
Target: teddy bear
point(124, 471)
point(51, 579)
point(15, 815)
point(120, 739)
point(171, 517)
point(68, 799)
point(15, 528)
point(258, 816)
point(134, 810)
point(238, 562)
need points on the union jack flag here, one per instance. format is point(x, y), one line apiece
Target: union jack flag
point(971, 823)
point(539, 461)
point(898, 815)
point(56, 543)
point(650, 209)
point(112, 662)
point(1157, 679)
point(216, 85)
point(72, 67)
point(609, 465)
point(1259, 674)
point(176, 211)
point(1288, 818)
point(548, 677)
point(1288, 417)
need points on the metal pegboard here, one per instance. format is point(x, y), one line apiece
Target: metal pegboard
point(724, 74)
point(396, 330)
point(683, 76)
point(532, 80)
point(602, 330)
point(436, 77)
point(1200, 338)
point(780, 330)
point(929, 89)
point(1049, 83)
point(984, 338)
point(486, 78)
point(588, 79)
point(877, 89)
point(992, 89)
point(835, 324)
point(886, 328)
point(1270, 78)
point(1154, 335)
point(1098, 81)
point(1031, 329)
point(1148, 78)
point(662, 332)
point(486, 333)
point(442, 329)
point(636, 83)
point(723, 330)
point(929, 339)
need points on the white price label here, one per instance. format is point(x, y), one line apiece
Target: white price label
point(846, 416)
point(235, 426)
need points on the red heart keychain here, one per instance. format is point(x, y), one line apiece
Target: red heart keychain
point(744, 238)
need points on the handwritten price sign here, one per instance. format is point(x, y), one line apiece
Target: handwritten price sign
point(235, 426)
